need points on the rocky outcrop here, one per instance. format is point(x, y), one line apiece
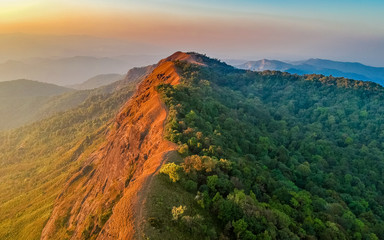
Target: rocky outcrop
point(102, 200)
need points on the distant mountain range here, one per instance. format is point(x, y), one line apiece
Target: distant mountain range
point(69, 71)
point(26, 101)
point(23, 101)
point(350, 70)
point(98, 81)
point(27, 88)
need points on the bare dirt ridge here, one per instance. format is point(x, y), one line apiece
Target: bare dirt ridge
point(104, 199)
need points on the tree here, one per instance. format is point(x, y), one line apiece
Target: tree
point(212, 182)
point(239, 227)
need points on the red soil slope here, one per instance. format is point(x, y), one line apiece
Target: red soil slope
point(181, 56)
point(114, 180)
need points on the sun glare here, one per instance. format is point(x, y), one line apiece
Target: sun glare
point(17, 3)
point(18, 10)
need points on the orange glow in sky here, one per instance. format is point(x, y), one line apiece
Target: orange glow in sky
point(220, 28)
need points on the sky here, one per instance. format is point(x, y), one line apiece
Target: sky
point(346, 30)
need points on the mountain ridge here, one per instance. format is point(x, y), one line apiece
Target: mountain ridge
point(68, 70)
point(26, 87)
point(352, 70)
point(98, 81)
point(21, 101)
point(134, 151)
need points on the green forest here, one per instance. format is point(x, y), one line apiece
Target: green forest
point(270, 155)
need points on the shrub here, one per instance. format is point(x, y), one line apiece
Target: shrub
point(177, 212)
point(171, 169)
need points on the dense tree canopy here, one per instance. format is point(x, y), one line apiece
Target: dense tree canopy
point(280, 156)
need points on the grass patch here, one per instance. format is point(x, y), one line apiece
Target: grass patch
point(159, 223)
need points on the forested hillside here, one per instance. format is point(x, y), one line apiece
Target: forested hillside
point(352, 70)
point(98, 81)
point(21, 100)
point(25, 101)
point(36, 160)
point(269, 155)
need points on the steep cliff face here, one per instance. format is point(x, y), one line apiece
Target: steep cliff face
point(103, 199)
